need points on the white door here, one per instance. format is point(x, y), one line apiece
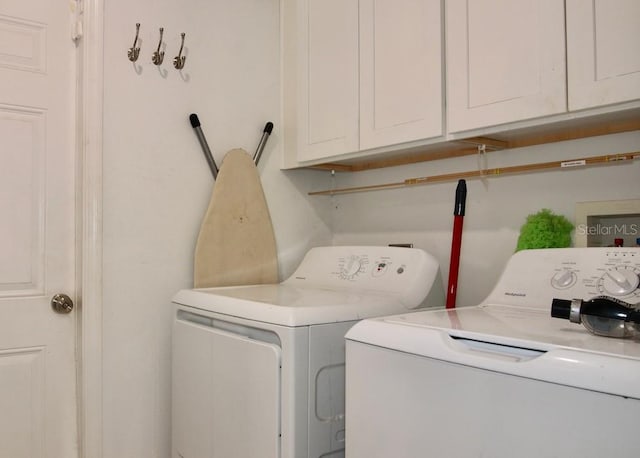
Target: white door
point(37, 230)
point(603, 62)
point(400, 71)
point(327, 78)
point(505, 61)
point(238, 415)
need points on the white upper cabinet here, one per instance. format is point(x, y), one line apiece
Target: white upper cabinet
point(371, 77)
point(327, 68)
point(400, 71)
point(505, 61)
point(369, 74)
point(603, 52)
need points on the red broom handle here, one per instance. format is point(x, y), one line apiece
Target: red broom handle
point(456, 243)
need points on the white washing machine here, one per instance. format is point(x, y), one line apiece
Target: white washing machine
point(502, 379)
point(258, 371)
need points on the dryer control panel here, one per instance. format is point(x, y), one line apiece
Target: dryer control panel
point(408, 272)
point(534, 277)
point(351, 266)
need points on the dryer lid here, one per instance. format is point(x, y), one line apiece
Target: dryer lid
point(331, 284)
point(290, 305)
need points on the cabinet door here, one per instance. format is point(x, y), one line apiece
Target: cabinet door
point(328, 78)
point(505, 61)
point(400, 71)
point(603, 52)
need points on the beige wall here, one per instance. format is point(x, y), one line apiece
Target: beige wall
point(157, 184)
point(496, 207)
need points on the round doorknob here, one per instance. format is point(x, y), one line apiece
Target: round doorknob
point(61, 303)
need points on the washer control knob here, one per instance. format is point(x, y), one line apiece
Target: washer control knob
point(563, 279)
point(620, 282)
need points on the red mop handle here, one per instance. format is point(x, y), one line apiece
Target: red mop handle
point(456, 243)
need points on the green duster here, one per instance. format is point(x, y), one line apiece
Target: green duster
point(545, 230)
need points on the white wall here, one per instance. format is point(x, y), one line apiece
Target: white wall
point(496, 207)
point(157, 184)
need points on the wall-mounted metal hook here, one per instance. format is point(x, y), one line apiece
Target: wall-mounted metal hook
point(178, 61)
point(158, 56)
point(134, 52)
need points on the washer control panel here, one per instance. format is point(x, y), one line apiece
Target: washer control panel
point(613, 273)
point(535, 276)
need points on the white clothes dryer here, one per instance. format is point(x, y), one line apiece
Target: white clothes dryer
point(502, 379)
point(258, 371)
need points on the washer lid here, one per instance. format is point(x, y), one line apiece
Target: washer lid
point(526, 326)
point(519, 341)
point(290, 305)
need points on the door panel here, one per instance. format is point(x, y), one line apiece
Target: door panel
point(226, 392)
point(400, 71)
point(37, 230)
point(22, 393)
point(22, 44)
point(22, 201)
point(505, 61)
point(603, 62)
point(328, 56)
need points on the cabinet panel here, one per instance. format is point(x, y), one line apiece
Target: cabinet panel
point(603, 54)
point(328, 83)
point(400, 71)
point(226, 394)
point(505, 61)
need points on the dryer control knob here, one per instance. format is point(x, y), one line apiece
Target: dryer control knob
point(351, 267)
